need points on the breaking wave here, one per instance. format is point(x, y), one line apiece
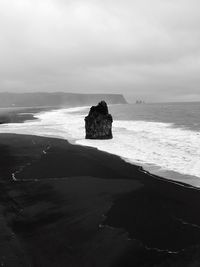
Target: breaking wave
point(141, 142)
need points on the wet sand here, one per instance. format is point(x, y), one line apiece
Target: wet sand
point(20, 114)
point(67, 205)
point(56, 220)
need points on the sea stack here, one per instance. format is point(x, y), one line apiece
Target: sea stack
point(98, 123)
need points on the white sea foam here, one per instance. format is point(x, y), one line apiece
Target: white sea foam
point(62, 123)
point(141, 142)
point(154, 143)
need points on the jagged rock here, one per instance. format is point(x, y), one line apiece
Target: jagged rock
point(98, 123)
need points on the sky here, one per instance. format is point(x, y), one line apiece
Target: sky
point(144, 49)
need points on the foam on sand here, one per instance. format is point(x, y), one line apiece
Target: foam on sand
point(140, 142)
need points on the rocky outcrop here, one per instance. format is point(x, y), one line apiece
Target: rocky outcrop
point(98, 123)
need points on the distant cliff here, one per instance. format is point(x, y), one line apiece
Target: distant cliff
point(56, 99)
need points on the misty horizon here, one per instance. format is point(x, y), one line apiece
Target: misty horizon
point(129, 99)
point(143, 50)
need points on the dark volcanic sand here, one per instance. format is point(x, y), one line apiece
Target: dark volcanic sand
point(54, 214)
point(20, 114)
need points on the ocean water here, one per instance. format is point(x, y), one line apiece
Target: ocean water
point(163, 138)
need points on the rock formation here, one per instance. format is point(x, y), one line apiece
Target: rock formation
point(98, 123)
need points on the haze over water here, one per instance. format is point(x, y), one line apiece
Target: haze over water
point(163, 138)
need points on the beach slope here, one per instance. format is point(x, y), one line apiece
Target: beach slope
point(68, 205)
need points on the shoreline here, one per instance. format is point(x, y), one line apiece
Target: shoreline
point(113, 213)
point(30, 113)
point(139, 167)
point(20, 114)
point(120, 194)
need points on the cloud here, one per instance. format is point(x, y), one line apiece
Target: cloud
point(148, 48)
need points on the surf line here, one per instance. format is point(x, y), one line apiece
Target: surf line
point(167, 251)
point(168, 180)
point(13, 175)
point(187, 223)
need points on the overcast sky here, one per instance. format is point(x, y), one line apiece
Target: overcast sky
point(146, 49)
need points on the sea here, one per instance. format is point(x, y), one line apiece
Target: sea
point(163, 138)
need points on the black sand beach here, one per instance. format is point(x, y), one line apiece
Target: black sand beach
point(66, 205)
point(20, 114)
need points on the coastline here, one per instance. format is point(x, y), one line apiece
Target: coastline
point(95, 205)
point(68, 123)
point(21, 114)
